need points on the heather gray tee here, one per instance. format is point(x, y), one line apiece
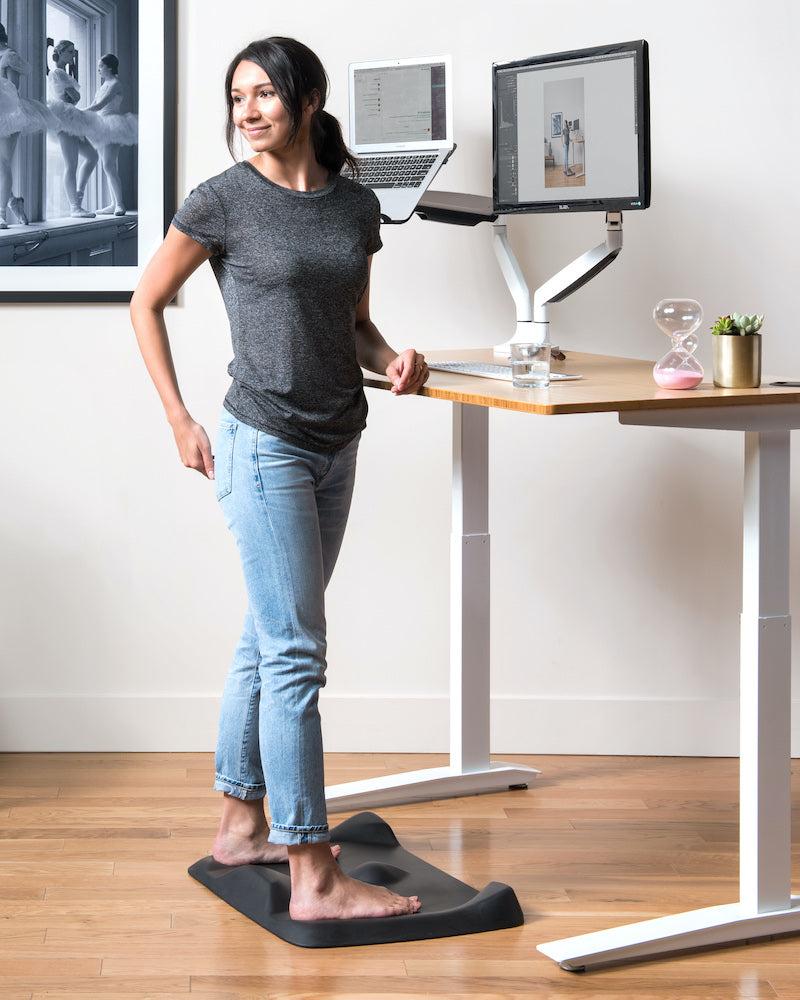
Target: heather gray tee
point(292, 267)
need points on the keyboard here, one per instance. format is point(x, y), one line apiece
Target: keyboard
point(407, 170)
point(485, 369)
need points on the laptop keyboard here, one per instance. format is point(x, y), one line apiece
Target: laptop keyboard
point(404, 171)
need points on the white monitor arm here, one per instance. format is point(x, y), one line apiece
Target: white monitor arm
point(532, 323)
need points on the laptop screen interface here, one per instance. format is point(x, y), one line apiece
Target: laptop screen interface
point(400, 104)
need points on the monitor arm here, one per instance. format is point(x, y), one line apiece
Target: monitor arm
point(532, 322)
point(574, 276)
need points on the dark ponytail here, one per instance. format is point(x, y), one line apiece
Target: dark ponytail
point(295, 72)
point(329, 144)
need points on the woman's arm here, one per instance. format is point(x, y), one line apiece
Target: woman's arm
point(407, 371)
point(178, 256)
point(62, 87)
point(104, 95)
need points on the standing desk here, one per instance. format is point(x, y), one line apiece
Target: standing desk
point(765, 417)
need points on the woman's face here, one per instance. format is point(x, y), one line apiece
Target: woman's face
point(104, 71)
point(66, 55)
point(257, 112)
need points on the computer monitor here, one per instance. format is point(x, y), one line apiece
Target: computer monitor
point(589, 110)
point(571, 134)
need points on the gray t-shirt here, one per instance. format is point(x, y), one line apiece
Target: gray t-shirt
point(292, 267)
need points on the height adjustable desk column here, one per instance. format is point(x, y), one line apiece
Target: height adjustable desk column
point(766, 906)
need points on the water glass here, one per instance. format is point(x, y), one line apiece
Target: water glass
point(530, 366)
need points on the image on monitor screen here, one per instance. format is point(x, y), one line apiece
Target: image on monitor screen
point(572, 131)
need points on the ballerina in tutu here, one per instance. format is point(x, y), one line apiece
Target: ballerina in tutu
point(115, 128)
point(18, 115)
point(76, 128)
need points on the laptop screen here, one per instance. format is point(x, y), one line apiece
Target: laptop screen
point(399, 104)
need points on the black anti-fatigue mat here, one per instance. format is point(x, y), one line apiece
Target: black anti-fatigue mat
point(371, 853)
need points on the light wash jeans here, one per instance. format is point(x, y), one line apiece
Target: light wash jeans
point(287, 508)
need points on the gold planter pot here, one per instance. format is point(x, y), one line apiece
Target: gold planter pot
point(737, 360)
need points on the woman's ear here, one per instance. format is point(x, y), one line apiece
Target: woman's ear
point(312, 102)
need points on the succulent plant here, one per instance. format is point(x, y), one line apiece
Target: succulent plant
point(737, 325)
point(747, 324)
point(724, 324)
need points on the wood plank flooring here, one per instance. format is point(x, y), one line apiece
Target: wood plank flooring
point(95, 901)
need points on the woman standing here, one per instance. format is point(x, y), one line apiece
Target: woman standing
point(565, 143)
point(290, 241)
point(115, 128)
point(74, 127)
point(17, 116)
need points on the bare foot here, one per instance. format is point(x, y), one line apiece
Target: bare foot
point(230, 849)
point(322, 891)
point(242, 835)
point(233, 850)
point(242, 838)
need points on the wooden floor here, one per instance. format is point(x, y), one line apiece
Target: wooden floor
point(554, 177)
point(95, 901)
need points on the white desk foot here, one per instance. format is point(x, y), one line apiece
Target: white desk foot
point(695, 929)
point(432, 783)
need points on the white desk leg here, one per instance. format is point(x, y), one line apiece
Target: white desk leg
point(765, 689)
point(470, 772)
point(766, 906)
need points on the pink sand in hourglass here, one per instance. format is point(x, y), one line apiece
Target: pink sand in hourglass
point(674, 378)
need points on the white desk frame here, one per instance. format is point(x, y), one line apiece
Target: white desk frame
point(471, 772)
point(766, 906)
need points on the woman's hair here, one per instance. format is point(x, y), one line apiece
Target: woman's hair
point(111, 61)
point(65, 43)
point(295, 72)
point(3, 35)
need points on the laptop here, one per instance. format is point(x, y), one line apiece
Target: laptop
point(401, 128)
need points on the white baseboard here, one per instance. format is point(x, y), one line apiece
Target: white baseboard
point(362, 724)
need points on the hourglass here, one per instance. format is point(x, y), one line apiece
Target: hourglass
point(679, 318)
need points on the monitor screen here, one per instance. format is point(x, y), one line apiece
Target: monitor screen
point(572, 131)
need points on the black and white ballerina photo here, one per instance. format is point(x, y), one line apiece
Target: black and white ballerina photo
point(69, 133)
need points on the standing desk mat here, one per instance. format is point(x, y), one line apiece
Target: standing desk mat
point(371, 853)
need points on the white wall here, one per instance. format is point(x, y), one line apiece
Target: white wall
point(616, 551)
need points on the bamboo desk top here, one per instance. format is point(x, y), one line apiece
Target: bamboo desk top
point(608, 385)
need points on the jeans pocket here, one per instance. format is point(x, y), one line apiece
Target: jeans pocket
point(223, 460)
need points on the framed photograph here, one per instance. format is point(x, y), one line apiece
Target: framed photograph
point(555, 124)
point(87, 132)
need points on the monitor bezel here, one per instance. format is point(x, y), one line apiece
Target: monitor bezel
point(641, 200)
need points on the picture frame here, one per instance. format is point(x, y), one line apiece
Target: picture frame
point(59, 256)
point(556, 124)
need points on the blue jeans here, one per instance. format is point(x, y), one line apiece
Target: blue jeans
point(287, 508)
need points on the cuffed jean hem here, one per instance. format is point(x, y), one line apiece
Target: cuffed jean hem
point(292, 836)
point(237, 790)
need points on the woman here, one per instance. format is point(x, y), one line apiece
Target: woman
point(115, 129)
point(290, 242)
point(565, 143)
point(74, 127)
point(17, 116)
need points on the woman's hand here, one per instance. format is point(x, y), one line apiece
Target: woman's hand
point(194, 446)
point(408, 372)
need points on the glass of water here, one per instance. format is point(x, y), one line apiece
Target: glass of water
point(530, 366)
